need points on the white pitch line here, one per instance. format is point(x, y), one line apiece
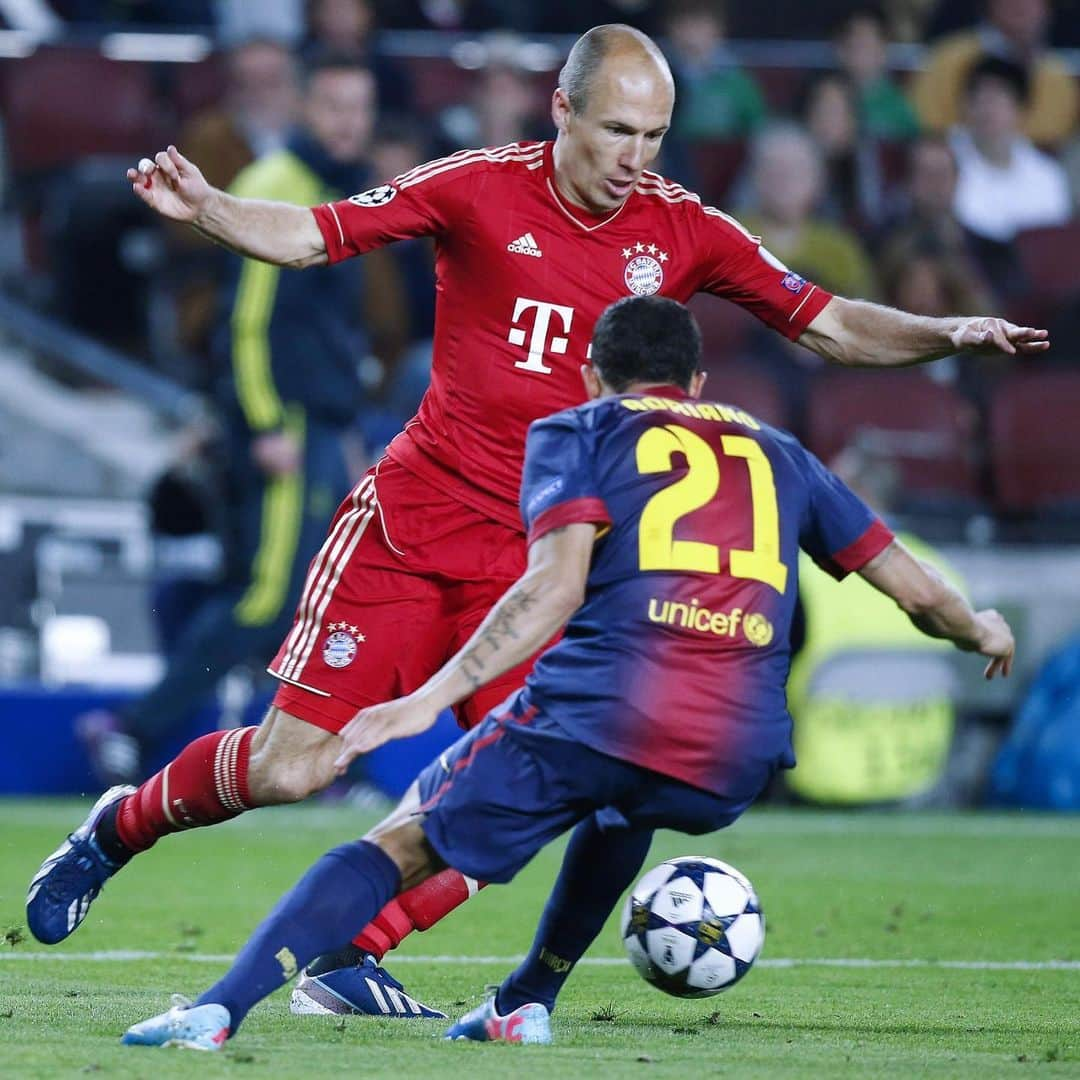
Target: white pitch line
point(589, 961)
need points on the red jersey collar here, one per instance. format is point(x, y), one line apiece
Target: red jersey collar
point(578, 214)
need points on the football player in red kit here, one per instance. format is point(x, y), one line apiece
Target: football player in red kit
point(533, 241)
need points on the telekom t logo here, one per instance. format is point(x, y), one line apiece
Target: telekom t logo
point(538, 340)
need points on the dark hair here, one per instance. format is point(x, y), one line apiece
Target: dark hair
point(320, 60)
point(647, 339)
point(1014, 76)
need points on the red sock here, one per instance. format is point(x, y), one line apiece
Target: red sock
point(417, 909)
point(204, 784)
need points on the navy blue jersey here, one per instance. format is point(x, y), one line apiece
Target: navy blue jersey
point(678, 657)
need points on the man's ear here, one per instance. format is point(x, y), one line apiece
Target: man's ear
point(560, 110)
point(697, 383)
point(593, 387)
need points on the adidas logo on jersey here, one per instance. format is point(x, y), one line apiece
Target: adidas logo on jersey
point(525, 245)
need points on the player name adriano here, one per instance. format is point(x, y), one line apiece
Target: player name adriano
point(727, 414)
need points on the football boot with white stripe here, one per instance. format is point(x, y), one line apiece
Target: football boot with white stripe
point(530, 1023)
point(69, 880)
point(363, 989)
point(193, 1027)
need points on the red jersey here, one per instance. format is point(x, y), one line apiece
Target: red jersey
point(522, 277)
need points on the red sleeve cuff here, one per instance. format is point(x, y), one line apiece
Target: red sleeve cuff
point(329, 222)
point(856, 555)
point(588, 510)
point(808, 310)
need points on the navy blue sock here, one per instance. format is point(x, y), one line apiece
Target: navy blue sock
point(331, 903)
point(597, 869)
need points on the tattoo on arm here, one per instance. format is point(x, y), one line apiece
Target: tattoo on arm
point(502, 624)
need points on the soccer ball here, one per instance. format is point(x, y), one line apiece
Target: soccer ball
point(693, 926)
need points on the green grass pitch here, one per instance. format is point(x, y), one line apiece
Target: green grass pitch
point(898, 945)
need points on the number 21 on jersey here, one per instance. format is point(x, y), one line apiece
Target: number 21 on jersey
point(657, 547)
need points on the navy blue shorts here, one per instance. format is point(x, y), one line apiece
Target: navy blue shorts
point(505, 789)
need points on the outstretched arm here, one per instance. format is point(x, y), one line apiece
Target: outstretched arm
point(938, 610)
point(525, 618)
point(858, 333)
point(271, 231)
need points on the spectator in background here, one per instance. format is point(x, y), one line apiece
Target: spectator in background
point(715, 98)
point(349, 26)
point(283, 420)
point(854, 191)
point(256, 114)
point(1013, 30)
point(924, 219)
point(254, 118)
point(786, 186)
point(503, 107)
point(862, 47)
point(1004, 183)
point(921, 276)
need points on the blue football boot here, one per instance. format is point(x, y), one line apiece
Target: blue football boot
point(69, 880)
point(361, 989)
point(529, 1023)
point(193, 1027)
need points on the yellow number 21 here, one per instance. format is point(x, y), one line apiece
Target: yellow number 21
point(657, 547)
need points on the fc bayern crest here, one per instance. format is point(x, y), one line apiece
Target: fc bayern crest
point(340, 648)
point(644, 273)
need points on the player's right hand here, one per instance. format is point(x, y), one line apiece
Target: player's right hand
point(378, 724)
point(996, 641)
point(171, 185)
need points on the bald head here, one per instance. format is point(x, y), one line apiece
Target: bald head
point(612, 47)
point(611, 108)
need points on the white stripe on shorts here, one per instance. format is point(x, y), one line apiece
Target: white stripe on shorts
point(323, 577)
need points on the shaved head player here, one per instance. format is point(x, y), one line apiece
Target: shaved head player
point(533, 241)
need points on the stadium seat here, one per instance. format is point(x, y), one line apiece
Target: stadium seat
point(194, 87)
point(740, 384)
point(1048, 258)
point(439, 82)
point(725, 327)
point(926, 428)
point(1034, 449)
point(111, 111)
point(716, 164)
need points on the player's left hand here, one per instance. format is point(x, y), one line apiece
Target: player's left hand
point(372, 727)
point(986, 334)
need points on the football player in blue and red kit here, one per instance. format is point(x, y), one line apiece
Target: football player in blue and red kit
point(667, 530)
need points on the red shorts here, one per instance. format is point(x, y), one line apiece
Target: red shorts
point(405, 576)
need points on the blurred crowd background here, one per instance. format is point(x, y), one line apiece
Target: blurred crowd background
point(922, 153)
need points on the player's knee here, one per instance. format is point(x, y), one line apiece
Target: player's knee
point(280, 778)
point(290, 760)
